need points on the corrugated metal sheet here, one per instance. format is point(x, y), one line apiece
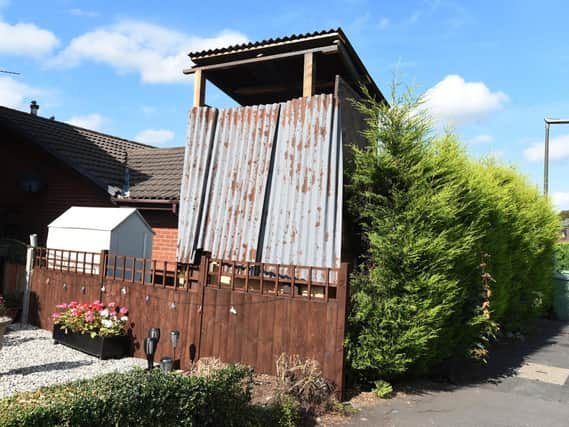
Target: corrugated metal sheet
point(201, 128)
point(232, 161)
point(237, 182)
point(305, 207)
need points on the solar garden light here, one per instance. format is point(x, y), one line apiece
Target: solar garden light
point(166, 364)
point(192, 354)
point(154, 333)
point(150, 345)
point(174, 338)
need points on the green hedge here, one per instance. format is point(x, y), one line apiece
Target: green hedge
point(140, 398)
point(428, 213)
point(562, 255)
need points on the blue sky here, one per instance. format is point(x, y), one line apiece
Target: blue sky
point(491, 70)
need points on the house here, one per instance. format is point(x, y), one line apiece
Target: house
point(49, 166)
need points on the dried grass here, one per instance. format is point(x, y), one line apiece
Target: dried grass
point(303, 380)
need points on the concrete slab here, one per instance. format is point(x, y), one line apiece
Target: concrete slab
point(544, 373)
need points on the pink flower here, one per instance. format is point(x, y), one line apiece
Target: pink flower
point(75, 313)
point(55, 316)
point(73, 304)
point(123, 310)
point(112, 304)
point(61, 306)
point(89, 317)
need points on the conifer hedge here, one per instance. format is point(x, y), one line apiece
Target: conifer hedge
point(429, 216)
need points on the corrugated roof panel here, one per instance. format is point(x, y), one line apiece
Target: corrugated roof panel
point(201, 130)
point(266, 42)
point(246, 199)
point(237, 181)
point(305, 202)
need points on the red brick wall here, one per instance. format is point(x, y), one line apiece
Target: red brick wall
point(23, 213)
point(165, 226)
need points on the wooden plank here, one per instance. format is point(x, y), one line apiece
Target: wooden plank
point(325, 50)
point(199, 88)
point(309, 78)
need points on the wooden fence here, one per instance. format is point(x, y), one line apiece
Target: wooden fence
point(236, 311)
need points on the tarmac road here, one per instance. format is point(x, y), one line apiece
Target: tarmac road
point(526, 383)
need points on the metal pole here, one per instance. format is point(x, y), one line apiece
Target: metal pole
point(546, 161)
point(549, 122)
point(29, 268)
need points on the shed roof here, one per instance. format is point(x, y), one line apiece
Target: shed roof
point(271, 70)
point(102, 219)
point(155, 174)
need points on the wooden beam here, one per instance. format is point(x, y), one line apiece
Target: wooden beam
point(223, 65)
point(199, 89)
point(309, 80)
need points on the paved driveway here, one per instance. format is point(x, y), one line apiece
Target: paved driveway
point(525, 384)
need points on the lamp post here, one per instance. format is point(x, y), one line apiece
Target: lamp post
point(548, 123)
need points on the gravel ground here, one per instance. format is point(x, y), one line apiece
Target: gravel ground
point(30, 359)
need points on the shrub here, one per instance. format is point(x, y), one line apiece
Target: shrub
point(562, 256)
point(137, 398)
point(429, 214)
point(382, 389)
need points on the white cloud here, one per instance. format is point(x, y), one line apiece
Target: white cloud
point(558, 149)
point(481, 139)
point(15, 94)
point(26, 39)
point(82, 12)
point(383, 23)
point(453, 101)
point(561, 200)
point(157, 53)
point(154, 136)
point(89, 121)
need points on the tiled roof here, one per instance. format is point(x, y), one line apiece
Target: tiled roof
point(95, 155)
point(155, 174)
point(263, 43)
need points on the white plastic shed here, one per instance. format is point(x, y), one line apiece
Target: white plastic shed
point(121, 231)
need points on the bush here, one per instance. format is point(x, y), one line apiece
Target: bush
point(562, 256)
point(430, 217)
point(137, 398)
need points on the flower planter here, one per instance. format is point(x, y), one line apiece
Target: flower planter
point(113, 347)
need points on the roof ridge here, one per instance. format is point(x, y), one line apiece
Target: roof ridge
point(31, 116)
point(158, 148)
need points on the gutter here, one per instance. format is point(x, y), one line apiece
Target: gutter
point(149, 204)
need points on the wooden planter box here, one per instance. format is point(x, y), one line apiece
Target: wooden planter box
point(101, 347)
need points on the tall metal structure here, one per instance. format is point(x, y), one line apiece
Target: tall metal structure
point(548, 123)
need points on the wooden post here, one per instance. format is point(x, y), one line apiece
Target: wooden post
point(309, 81)
point(199, 88)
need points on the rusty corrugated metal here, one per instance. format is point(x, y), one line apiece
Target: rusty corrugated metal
point(247, 199)
point(201, 130)
point(237, 182)
point(305, 207)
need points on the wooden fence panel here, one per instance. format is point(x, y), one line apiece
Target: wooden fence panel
point(232, 316)
point(51, 287)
